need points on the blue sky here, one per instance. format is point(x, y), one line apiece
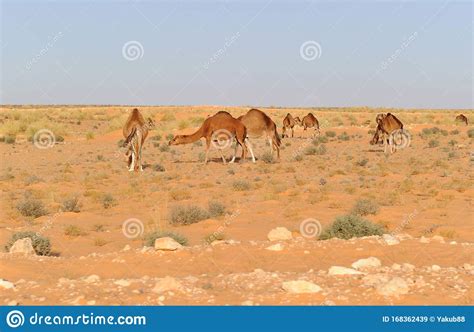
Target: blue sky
point(415, 54)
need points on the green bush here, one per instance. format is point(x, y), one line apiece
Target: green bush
point(349, 226)
point(169, 137)
point(108, 201)
point(10, 139)
point(149, 239)
point(343, 137)
point(433, 143)
point(364, 207)
point(315, 150)
point(31, 207)
point(216, 209)
point(41, 244)
point(164, 148)
point(330, 133)
point(470, 133)
point(157, 137)
point(186, 215)
point(72, 230)
point(318, 140)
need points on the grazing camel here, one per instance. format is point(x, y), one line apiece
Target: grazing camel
point(310, 121)
point(288, 123)
point(388, 125)
point(259, 124)
point(462, 118)
point(221, 122)
point(135, 132)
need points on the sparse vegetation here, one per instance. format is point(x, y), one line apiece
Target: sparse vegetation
point(343, 137)
point(41, 244)
point(216, 209)
point(433, 143)
point(73, 230)
point(71, 205)
point(364, 207)
point(108, 201)
point(349, 226)
point(241, 185)
point(149, 239)
point(330, 133)
point(158, 168)
point(267, 157)
point(31, 207)
point(186, 215)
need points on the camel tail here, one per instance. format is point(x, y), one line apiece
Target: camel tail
point(130, 137)
point(277, 137)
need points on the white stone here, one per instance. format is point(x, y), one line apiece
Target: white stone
point(166, 284)
point(275, 247)
point(341, 270)
point(396, 267)
point(435, 268)
point(167, 243)
point(395, 287)
point(279, 233)
point(122, 282)
point(424, 240)
point(408, 267)
point(438, 238)
point(365, 263)
point(6, 284)
point(92, 278)
point(390, 239)
point(300, 286)
point(247, 303)
point(22, 246)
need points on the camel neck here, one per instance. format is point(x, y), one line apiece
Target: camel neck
point(193, 137)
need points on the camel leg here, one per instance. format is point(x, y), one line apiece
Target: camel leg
point(235, 153)
point(222, 156)
point(249, 146)
point(140, 159)
point(208, 144)
point(270, 141)
point(132, 164)
point(292, 132)
point(277, 148)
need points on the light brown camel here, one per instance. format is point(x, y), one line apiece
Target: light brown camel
point(462, 118)
point(387, 125)
point(220, 125)
point(310, 121)
point(135, 132)
point(289, 122)
point(258, 125)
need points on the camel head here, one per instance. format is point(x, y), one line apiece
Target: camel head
point(298, 121)
point(178, 139)
point(376, 137)
point(380, 117)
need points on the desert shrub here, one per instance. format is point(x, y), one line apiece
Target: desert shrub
point(168, 117)
point(315, 150)
point(59, 138)
point(362, 162)
point(10, 139)
point(120, 143)
point(349, 226)
point(98, 228)
point(433, 143)
point(100, 157)
point(169, 137)
point(158, 168)
point(179, 194)
point(31, 207)
point(149, 239)
point(364, 207)
point(72, 230)
point(197, 143)
point(343, 137)
point(231, 171)
point(41, 244)
point(454, 132)
point(32, 180)
point(470, 133)
point(186, 215)
point(71, 205)
point(330, 133)
point(298, 157)
point(452, 142)
point(164, 148)
point(318, 140)
point(241, 185)
point(108, 201)
point(214, 237)
point(90, 135)
point(99, 242)
point(157, 137)
point(216, 209)
point(267, 157)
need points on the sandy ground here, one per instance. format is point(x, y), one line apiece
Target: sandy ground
point(424, 193)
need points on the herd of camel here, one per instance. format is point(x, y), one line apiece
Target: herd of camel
point(253, 124)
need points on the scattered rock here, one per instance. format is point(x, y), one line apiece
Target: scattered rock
point(390, 239)
point(396, 267)
point(6, 284)
point(424, 240)
point(12, 303)
point(374, 280)
point(167, 243)
point(300, 286)
point(435, 268)
point(395, 287)
point(22, 246)
point(279, 233)
point(341, 270)
point(166, 284)
point(91, 302)
point(275, 247)
point(122, 282)
point(247, 303)
point(365, 263)
point(438, 238)
point(406, 267)
point(126, 248)
point(92, 278)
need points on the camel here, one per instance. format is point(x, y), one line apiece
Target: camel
point(135, 132)
point(310, 121)
point(288, 123)
point(259, 124)
point(220, 123)
point(387, 124)
point(462, 118)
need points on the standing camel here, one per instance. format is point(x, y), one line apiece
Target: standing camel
point(220, 123)
point(462, 118)
point(310, 121)
point(387, 125)
point(259, 124)
point(289, 122)
point(135, 132)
